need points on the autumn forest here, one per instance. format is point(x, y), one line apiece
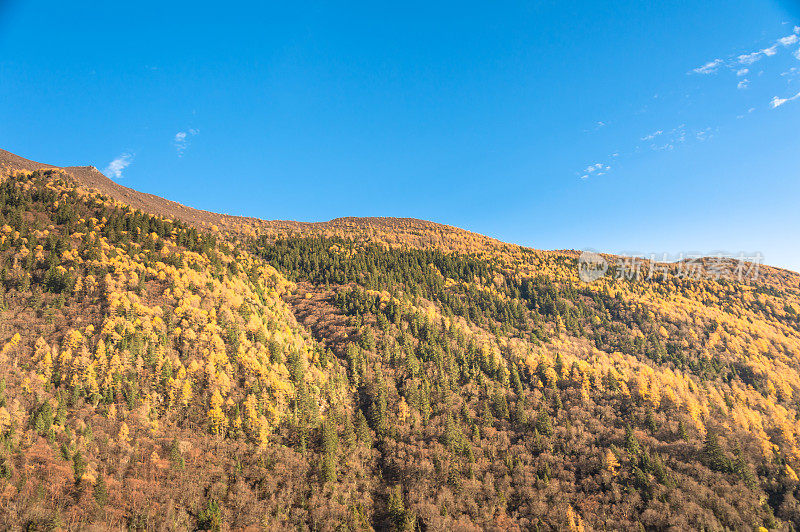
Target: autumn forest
point(174, 370)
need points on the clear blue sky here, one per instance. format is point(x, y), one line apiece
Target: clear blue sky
point(468, 113)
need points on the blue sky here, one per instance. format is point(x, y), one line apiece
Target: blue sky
point(623, 127)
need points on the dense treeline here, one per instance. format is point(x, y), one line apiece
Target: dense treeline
point(515, 306)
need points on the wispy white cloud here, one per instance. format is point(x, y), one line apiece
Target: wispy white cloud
point(596, 169)
point(772, 50)
point(116, 167)
point(181, 140)
point(735, 62)
point(679, 133)
point(708, 68)
point(777, 102)
point(704, 134)
point(597, 125)
point(667, 140)
point(749, 59)
point(653, 135)
point(738, 64)
point(790, 74)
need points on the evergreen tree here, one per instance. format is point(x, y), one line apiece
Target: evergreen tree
point(500, 404)
point(631, 442)
point(715, 455)
point(425, 402)
point(349, 433)
point(650, 421)
point(399, 517)
point(742, 468)
point(543, 423)
point(101, 490)
point(450, 438)
point(78, 466)
point(520, 416)
point(330, 449)
point(354, 363)
point(362, 429)
point(175, 455)
point(379, 404)
point(682, 432)
point(516, 383)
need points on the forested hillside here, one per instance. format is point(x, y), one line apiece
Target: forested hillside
point(160, 373)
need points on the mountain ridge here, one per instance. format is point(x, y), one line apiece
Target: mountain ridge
point(350, 226)
point(91, 177)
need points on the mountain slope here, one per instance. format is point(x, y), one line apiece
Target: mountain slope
point(373, 374)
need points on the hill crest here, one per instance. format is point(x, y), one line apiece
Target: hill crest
point(90, 177)
point(391, 231)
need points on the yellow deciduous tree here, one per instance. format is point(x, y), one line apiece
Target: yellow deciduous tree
point(217, 420)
